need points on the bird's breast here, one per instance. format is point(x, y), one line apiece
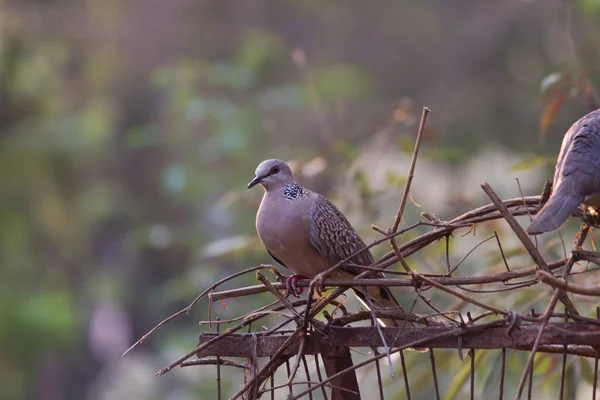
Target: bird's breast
point(284, 230)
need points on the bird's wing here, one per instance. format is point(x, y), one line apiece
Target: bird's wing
point(579, 159)
point(333, 236)
point(335, 240)
point(275, 258)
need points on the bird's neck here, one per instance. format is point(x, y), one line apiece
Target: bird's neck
point(290, 191)
point(293, 191)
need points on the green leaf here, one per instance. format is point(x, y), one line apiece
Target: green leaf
point(259, 47)
point(460, 378)
point(587, 371)
point(406, 144)
point(590, 6)
point(533, 162)
point(337, 83)
point(362, 184)
point(230, 75)
point(395, 179)
point(282, 97)
point(446, 154)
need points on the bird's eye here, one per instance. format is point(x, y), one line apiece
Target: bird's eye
point(274, 170)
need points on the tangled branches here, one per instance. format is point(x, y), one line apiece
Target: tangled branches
point(318, 326)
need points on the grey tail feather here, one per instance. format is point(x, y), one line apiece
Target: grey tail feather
point(555, 212)
point(381, 297)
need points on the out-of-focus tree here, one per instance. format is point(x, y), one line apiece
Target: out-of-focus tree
point(129, 129)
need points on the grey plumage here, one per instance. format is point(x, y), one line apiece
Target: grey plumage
point(306, 233)
point(333, 236)
point(335, 239)
point(577, 175)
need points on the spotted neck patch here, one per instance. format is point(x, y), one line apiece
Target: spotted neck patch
point(293, 191)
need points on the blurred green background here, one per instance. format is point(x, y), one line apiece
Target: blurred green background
point(129, 129)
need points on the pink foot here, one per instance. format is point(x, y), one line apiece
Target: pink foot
point(290, 284)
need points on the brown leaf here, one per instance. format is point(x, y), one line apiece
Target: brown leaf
point(554, 84)
point(550, 111)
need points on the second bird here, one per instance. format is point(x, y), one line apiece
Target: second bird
point(306, 233)
point(577, 175)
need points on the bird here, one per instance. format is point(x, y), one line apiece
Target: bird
point(576, 178)
point(306, 233)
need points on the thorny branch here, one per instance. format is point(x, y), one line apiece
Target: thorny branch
point(411, 174)
point(313, 336)
point(558, 294)
point(503, 278)
point(566, 286)
point(441, 282)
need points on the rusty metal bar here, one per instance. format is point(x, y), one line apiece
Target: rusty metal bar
point(290, 386)
point(563, 374)
point(472, 374)
point(596, 362)
point(344, 387)
point(520, 337)
point(379, 380)
point(434, 373)
point(530, 379)
point(564, 368)
point(218, 366)
point(502, 373)
point(320, 376)
point(307, 374)
point(595, 377)
point(272, 381)
point(405, 373)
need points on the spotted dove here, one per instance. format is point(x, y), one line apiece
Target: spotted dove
point(306, 233)
point(577, 175)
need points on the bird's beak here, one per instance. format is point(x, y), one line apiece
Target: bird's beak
point(255, 181)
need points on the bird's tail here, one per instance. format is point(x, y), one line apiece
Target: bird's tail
point(556, 211)
point(381, 297)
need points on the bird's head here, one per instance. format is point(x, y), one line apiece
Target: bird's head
point(272, 174)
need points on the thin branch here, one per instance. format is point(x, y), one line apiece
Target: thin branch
point(387, 237)
point(406, 191)
point(375, 321)
point(269, 367)
point(566, 286)
point(213, 361)
point(228, 331)
point(420, 277)
point(536, 344)
point(411, 171)
point(446, 281)
point(413, 344)
point(524, 238)
point(558, 293)
point(277, 294)
point(193, 303)
point(298, 359)
point(468, 254)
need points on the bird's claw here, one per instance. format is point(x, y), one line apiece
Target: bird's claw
point(279, 276)
point(317, 284)
point(513, 319)
point(290, 284)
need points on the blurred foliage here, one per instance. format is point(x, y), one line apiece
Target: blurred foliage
point(558, 87)
point(128, 131)
point(590, 6)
